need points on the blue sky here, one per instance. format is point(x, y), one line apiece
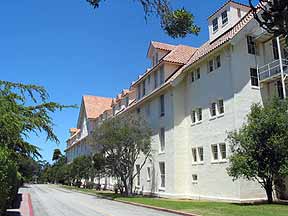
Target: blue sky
point(73, 50)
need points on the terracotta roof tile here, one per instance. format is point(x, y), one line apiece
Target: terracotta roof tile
point(162, 46)
point(95, 106)
point(181, 54)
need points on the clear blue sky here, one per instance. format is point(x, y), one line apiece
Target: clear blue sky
point(72, 50)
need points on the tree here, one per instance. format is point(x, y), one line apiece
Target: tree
point(18, 119)
point(82, 168)
point(176, 23)
point(273, 16)
point(121, 141)
point(56, 155)
point(259, 148)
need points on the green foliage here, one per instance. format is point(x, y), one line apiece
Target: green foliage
point(176, 23)
point(56, 155)
point(273, 16)
point(259, 148)
point(122, 140)
point(82, 168)
point(9, 179)
point(179, 23)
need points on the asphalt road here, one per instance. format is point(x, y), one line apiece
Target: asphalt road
point(49, 200)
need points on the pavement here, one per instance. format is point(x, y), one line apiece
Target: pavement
point(22, 205)
point(49, 200)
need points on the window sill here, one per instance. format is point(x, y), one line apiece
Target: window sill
point(196, 123)
point(194, 182)
point(198, 163)
point(161, 153)
point(255, 87)
point(219, 161)
point(225, 24)
point(212, 118)
point(148, 180)
point(161, 189)
point(220, 115)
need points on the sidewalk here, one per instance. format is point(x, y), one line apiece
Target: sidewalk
point(22, 207)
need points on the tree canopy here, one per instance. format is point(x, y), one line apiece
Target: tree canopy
point(175, 23)
point(259, 148)
point(273, 15)
point(122, 140)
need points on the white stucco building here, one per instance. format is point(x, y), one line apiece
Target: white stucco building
point(192, 97)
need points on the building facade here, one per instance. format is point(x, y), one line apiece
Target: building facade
point(192, 97)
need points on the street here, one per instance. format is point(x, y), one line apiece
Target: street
point(49, 200)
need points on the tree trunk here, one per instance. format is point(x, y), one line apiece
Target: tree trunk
point(269, 191)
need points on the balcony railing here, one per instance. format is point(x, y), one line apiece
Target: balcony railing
point(272, 70)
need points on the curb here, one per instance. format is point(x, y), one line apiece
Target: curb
point(136, 204)
point(31, 212)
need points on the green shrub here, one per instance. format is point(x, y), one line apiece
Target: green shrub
point(9, 180)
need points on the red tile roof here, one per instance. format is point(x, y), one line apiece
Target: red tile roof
point(181, 54)
point(162, 46)
point(95, 106)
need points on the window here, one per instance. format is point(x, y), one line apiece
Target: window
point(162, 140)
point(213, 109)
point(280, 89)
point(215, 24)
point(138, 175)
point(149, 79)
point(138, 110)
point(218, 61)
point(127, 101)
point(239, 12)
point(223, 152)
point(194, 155)
point(156, 58)
point(224, 18)
point(162, 174)
point(162, 75)
point(275, 49)
point(220, 106)
point(198, 75)
point(251, 45)
point(194, 178)
point(214, 149)
point(201, 154)
point(210, 66)
point(162, 105)
point(148, 173)
point(193, 116)
point(199, 114)
point(254, 77)
point(156, 79)
point(143, 88)
point(138, 92)
point(192, 76)
point(147, 109)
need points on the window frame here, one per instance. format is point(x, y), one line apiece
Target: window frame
point(162, 169)
point(215, 25)
point(194, 156)
point(224, 18)
point(148, 174)
point(211, 66)
point(254, 79)
point(220, 107)
point(217, 62)
point(155, 79)
point(198, 73)
point(251, 45)
point(215, 159)
point(200, 156)
point(162, 105)
point(194, 178)
point(162, 140)
point(162, 75)
point(138, 179)
point(221, 152)
point(213, 109)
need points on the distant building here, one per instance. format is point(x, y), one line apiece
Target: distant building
point(192, 97)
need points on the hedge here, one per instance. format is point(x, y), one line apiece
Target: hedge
point(9, 180)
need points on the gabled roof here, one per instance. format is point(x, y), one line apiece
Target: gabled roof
point(232, 3)
point(180, 55)
point(94, 105)
point(208, 47)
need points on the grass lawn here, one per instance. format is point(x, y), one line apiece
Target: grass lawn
point(204, 208)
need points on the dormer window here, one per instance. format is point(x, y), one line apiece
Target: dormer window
point(143, 88)
point(215, 24)
point(224, 18)
point(127, 101)
point(239, 12)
